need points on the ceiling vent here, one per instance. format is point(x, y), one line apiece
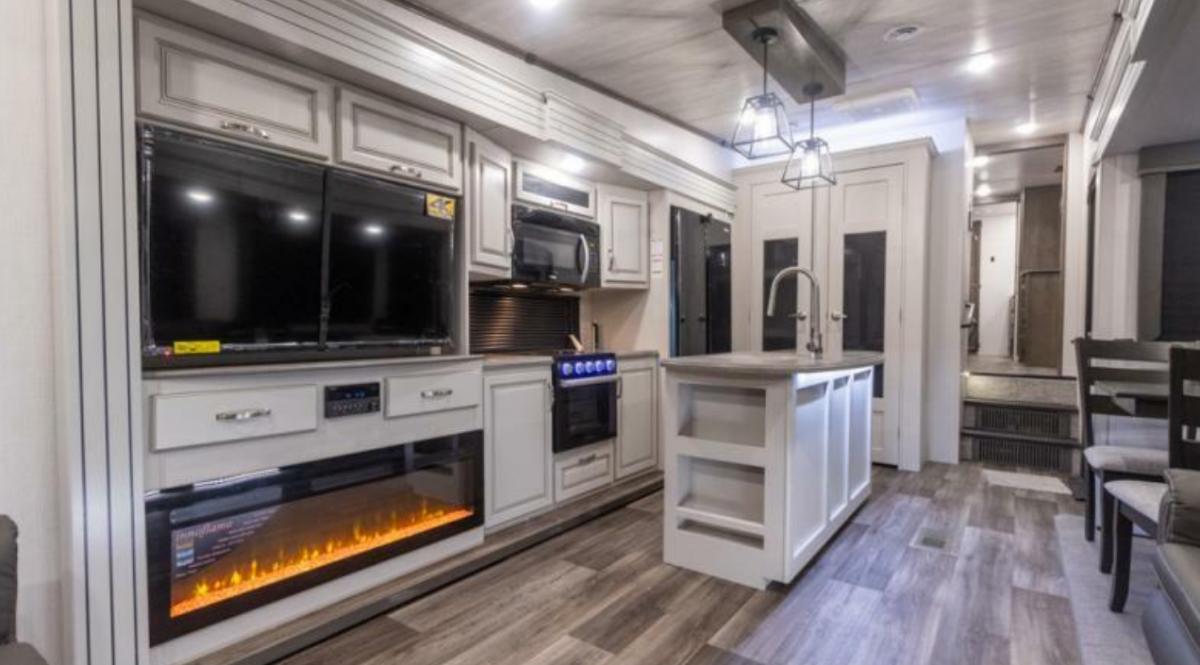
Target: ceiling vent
point(870, 107)
point(802, 54)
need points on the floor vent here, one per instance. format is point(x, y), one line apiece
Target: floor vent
point(931, 539)
point(1017, 420)
point(1025, 454)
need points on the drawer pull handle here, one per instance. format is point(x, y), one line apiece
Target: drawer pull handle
point(437, 394)
point(245, 128)
point(242, 416)
point(407, 170)
point(584, 461)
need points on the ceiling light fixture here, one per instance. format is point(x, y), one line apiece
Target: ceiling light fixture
point(983, 191)
point(544, 4)
point(373, 230)
point(981, 64)
point(980, 161)
point(1026, 128)
point(811, 164)
point(573, 163)
point(200, 195)
point(762, 129)
point(298, 216)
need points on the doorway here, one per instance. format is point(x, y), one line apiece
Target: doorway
point(1016, 272)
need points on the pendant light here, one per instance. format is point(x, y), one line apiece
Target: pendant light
point(811, 164)
point(762, 129)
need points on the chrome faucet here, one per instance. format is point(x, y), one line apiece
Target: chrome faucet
point(814, 345)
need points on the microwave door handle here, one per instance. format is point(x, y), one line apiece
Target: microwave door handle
point(587, 258)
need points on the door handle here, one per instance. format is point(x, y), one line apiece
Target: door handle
point(838, 316)
point(245, 128)
point(587, 258)
point(243, 415)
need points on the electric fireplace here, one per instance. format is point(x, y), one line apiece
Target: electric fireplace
point(220, 548)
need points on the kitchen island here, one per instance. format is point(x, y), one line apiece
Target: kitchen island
point(767, 455)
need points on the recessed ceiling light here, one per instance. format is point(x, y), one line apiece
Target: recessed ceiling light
point(373, 230)
point(980, 161)
point(573, 163)
point(983, 190)
point(902, 33)
point(1026, 128)
point(298, 216)
point(200, 195)
point(983, 175)
point(544, 4)
point(981, 64)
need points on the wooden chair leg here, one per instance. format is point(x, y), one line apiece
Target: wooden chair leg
point(1123, 552)
point(1089, 516)
point(1107, 511)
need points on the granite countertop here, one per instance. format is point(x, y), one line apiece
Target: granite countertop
point(637, 354)
point(772, 363)
point(513, 360)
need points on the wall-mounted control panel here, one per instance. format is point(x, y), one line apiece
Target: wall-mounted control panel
point(351, 400)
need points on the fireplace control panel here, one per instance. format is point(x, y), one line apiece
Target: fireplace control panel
point(351, 400)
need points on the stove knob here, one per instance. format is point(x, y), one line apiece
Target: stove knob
point(610, 365)
point(578, 368)
point(590, 367)
point(566, 369)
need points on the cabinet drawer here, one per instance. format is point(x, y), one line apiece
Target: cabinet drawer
point(579, 472)
point(201, 82)
point(429, 393)
point(193, 419)
point(399, 141)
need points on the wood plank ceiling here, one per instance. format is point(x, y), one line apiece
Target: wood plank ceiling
point(674, 57)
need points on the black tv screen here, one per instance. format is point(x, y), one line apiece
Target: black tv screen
point(231, 246)
point(391, 265)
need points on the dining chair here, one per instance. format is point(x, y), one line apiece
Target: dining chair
point(1114, 362)
point(1137, 502)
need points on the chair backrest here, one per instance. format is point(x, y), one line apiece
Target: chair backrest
point(1121, 361)
point(1183, 409)
point(8, 580)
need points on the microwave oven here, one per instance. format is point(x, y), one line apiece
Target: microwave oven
point(552, 249)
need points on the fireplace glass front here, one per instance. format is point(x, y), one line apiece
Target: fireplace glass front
point(223, 547)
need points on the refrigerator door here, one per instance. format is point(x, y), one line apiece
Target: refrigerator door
point(689, 284)
point(718, 242)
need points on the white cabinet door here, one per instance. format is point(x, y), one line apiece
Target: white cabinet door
point(517, 444)
point(625, 227)
point(388, 137)
point(637, 417)
point(198, 81)
point(489, 207)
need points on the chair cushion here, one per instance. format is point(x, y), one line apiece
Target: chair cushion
point(1143, 461)
point(1141, 495)
point(1179, 513)
point(1178, 568)
point(20, 654)
point(1166, 634)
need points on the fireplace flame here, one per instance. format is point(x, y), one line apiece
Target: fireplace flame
point(256, 575)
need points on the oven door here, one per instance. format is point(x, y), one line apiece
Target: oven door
point(550, 249)
point(585, 413)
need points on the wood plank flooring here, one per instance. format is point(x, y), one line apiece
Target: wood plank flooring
point(938, 568)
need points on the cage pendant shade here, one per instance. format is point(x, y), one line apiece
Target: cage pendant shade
point(811, 165)
point(762, 129)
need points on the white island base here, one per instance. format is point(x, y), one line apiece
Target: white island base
point(767, 455)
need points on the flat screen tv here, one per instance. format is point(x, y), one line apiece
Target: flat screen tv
point(248, 257)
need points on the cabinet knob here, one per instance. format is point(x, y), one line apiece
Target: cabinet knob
point(838, 316)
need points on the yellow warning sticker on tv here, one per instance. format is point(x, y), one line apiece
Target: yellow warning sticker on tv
point(193, 347)
point(441, 207)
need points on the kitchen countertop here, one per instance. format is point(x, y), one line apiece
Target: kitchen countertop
point(515, 360)
point(772, 363)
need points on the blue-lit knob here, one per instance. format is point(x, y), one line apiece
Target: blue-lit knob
point(591, 367)
point(610, 365)
point(579, 368)
point(566, 369)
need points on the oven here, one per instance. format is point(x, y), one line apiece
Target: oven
point(551, 248)
point(585, 399)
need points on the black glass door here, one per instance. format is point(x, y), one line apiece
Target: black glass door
point(584, 414)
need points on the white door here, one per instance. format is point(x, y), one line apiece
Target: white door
point(625, 225)
point(637, 448)
point(517, 443)
point(782, 237)
point(489, 207)
point(865, 287)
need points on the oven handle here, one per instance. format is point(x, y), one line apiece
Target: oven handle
point(587, 258)
point(590, 381)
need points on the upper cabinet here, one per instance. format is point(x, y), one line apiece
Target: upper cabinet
point(191, 80)
point(624, 217)
point(389, 138)
point(542, 185)
point(488, 203)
